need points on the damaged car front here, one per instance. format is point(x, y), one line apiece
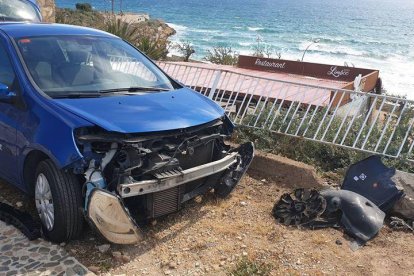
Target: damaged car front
point(149, 144)
point(138, 177)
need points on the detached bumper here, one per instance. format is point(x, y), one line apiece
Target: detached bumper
point(110, 217)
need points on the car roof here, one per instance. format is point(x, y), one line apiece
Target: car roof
point(24, 29)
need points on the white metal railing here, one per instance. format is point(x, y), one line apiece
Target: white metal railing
point(371, 123)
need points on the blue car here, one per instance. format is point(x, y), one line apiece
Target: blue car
point(93, 130)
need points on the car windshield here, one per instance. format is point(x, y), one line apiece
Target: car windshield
point(18, 10)
point(87, 65)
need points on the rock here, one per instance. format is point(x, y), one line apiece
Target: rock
point(243, 203)
point(338, 242)
point(117, 256)
point(167, 272)
point(94, 269)
point(104, 248)
point(263, 180)
point(198, 199)
point(126, 258)
point(222, 263)
point(172, 265)
point(197, 264)
point(244, 253)
point(153, 222)
point(19, 204)
point(62, 244)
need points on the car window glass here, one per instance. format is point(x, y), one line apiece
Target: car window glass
point(7, 75)
point(86, 64)
point(18, 10)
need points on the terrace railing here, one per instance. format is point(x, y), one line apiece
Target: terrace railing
point(377, 124)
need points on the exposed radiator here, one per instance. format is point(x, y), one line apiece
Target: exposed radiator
point(166, 202)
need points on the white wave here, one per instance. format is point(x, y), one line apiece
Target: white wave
point(255, 29)
point(178, 28)
point(245, 44)
point(331, 49)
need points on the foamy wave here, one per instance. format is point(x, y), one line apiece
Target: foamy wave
point(178, 28)
point(244, 44)
point(331, 49)
point(254, 29)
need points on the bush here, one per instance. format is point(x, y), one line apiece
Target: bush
point(122, 29)
point(222, 55)
point(84, 7)
point(186, 49)
point(156, 49)
point(246, 267)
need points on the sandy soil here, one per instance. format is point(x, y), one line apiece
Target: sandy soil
point(210, 235)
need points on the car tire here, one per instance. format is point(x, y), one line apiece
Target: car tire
point(58, 196)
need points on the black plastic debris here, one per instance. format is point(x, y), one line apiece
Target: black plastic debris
point(301, 208)
point(22, 221)
point(372, 179)
point(358, 216)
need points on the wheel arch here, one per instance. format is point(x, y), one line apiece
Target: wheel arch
point(33, 158)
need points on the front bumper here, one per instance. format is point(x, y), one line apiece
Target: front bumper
point(111, 218)
point(168, 182)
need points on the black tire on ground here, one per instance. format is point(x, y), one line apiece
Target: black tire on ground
point(67, 203)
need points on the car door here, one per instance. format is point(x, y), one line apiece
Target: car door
point(9, 112)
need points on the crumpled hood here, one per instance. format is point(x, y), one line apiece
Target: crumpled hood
point(158, 111)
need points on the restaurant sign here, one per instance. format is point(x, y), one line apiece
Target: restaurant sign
point(317, 70)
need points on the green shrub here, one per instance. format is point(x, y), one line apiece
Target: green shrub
point(122, 29)
point(222, 55)
point(83, 7)
point(246, 267)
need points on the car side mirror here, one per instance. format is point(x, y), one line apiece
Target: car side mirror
point(6, 96)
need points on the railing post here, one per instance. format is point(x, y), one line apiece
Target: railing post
point(214, 85)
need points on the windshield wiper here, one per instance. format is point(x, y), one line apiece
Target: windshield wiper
point(134, 89)
point(76, 95)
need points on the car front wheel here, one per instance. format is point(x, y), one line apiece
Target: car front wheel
point(58, 202)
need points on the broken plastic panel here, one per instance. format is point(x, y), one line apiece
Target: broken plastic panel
point(372, 179)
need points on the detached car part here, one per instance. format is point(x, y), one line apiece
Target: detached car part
point(360, 217)
point(372, 179)
point(302, 207)
point(22, 221)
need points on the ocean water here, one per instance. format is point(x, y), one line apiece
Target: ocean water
point(377, 34)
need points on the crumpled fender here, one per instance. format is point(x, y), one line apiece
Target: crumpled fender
point(361, 218)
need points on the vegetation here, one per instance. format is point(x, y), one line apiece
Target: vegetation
point(246, 267)
point(262, 49)
point(222, 55)
point(84, 7)
point(186, 49)
point(144, 35)
point(122, 29)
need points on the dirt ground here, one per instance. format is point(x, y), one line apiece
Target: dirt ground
point(209, 236)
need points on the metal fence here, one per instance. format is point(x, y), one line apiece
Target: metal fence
point(371, 123)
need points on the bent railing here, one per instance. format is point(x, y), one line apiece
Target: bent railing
point(377, 124)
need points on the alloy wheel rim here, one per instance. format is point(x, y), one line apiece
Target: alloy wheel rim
point(44, 202)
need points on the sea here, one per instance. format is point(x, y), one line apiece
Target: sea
point(374, 34)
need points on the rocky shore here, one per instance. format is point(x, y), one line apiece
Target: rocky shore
point(154, 28)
